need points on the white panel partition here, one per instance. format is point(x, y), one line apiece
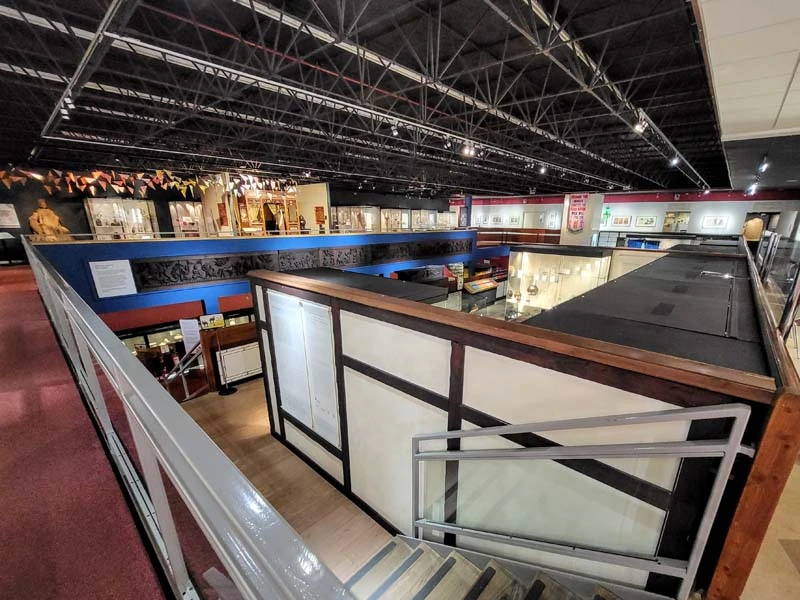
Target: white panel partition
point(547, 500)
point(303, 338)
point(519, 392)
point(410, 355)
point(380, 423)
point(329, 463)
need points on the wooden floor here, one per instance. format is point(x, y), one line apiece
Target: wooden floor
point(335, 529)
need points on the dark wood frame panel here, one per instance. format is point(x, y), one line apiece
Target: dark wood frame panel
point(647, 373)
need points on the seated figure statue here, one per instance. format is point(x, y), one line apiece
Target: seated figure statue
point(46, 224)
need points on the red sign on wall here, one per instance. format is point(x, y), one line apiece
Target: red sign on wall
point(576, 217)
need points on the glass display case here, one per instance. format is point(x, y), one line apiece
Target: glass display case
point(187, 218)
point(446, 220)
point(423, 219)
point(543, 276)
point(118, 218)
point(356, 218)
point(395, 219)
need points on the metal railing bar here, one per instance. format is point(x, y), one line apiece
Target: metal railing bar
point(690, 449)
point(682, 414)
point(263, 554)
point(665, 566)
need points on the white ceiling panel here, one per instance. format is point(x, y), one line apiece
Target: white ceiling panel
point(755, 87)
point(756, 68)
point(753, 43)
point(753, 51)
point(726, 17)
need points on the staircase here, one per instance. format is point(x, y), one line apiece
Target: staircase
point(409, 569)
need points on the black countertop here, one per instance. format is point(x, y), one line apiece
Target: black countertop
point(418, 292)
point(687, 305)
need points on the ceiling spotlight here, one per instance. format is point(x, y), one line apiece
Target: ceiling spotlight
point(64, 111)
point(542, 170)
point(674, 161)
point(306, 173)
point(585, 180)
point(448, 144)
point(395, 132)
point(610, 186)
point(752, 189)
point(468, 150)
point(706, 191)
point(532, 191)
point(764, 165)
point(640, 127)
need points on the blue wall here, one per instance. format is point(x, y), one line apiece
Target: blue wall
point(72, 261)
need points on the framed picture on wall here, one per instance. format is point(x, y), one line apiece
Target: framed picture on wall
point(621, 221)
point(718, 222)
point(485, 220)
point(497, 220)
point(646, 221)
point(513, 220)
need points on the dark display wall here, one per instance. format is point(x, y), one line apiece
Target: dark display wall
point(369, 198)
point(25, 197)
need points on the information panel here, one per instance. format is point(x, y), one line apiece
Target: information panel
point(302, 333)
point(112, 278)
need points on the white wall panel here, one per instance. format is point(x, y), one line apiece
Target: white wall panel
point(329, 463)
point(416, 357)
point(380, 423)
point(518, 392)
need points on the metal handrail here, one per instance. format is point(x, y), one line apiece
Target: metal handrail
point(180, 369)
point(184, 362)
point(725, 449)
point(263, 555)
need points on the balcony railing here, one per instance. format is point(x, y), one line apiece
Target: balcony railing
point(208, 523)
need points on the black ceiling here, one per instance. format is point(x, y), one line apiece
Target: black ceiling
point(782, 157)
point(383, 90)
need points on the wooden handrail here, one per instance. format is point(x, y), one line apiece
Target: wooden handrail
point(723, 380)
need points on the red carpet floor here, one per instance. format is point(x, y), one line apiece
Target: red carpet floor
point(65, 529)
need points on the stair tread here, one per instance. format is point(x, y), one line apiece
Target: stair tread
point(455, 582)
point(601, 593)
point(501, 585)
point(375, 571)
point(412, 577)
point(545, 587)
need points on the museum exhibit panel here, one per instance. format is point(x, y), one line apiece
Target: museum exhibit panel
point(187, 218)
point(541, 277)
point(395, 219)
point(121, 218)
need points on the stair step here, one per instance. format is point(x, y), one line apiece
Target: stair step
point(375, 571)
point(601, 593)
point(454, 578)
point(545, 587)
point(495, 583)
point(408, 578)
